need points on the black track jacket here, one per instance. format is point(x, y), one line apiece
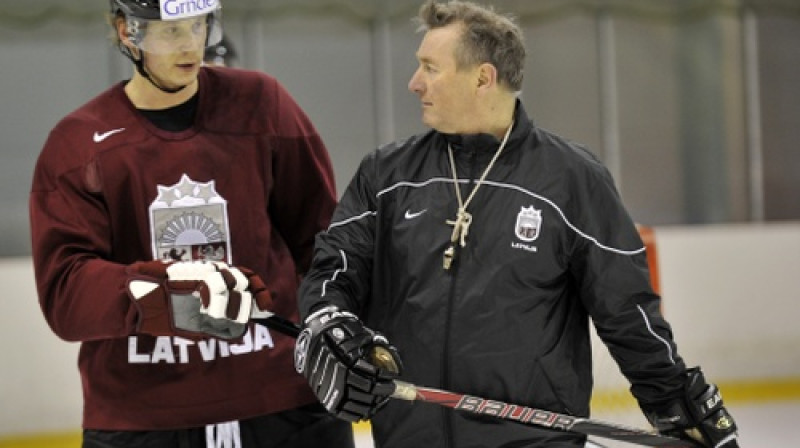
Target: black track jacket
point(550, 245)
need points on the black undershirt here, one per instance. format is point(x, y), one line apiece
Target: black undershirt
point(173, 119)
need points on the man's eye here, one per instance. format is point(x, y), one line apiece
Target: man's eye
point(169, 31)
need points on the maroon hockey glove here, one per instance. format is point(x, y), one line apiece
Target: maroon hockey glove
point(698, 416)
point(195, 299)
point(348, 366)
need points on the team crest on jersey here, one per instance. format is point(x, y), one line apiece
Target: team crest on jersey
point(529, 221)
point(189, 221)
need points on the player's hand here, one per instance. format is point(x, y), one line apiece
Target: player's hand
point(195, 299)
point(349, 367)
point(698, 416)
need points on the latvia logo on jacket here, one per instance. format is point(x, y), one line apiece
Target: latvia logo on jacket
point(529, 221)
point(189, 221)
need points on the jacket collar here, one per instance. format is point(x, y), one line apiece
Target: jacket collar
point(487, 142)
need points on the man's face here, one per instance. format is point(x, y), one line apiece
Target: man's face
point(174, 50)
point(448, 95)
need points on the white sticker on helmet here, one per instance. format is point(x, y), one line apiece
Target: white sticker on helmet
point(184, 9)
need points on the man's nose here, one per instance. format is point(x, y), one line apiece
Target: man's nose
point(413, 84)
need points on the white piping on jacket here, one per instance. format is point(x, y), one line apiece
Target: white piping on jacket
point(650, 329)
point(351, 219)
point(498, 185)
point(566, 221)
point(335, 273)
point(507, 186)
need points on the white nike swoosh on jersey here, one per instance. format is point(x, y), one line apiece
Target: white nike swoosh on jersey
point(410, 215)
point(98, 137)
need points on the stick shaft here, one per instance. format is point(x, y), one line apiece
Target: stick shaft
point(279, 324)
point(506, 411)
point(534, 417)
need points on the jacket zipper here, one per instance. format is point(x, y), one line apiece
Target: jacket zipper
point(451, 299)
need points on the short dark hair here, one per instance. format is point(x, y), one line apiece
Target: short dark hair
point(487, 37)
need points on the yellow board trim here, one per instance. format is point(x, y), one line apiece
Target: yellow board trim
point(760, 391)
point(52, 440)
point(734, 393)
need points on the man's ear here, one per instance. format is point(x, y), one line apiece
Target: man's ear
point(487, 75)
point(121, 27)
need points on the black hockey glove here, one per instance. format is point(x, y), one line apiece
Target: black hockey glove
point(349, 367)
point(698, 416)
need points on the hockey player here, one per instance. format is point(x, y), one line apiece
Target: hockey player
point(164, 213)
point(477, 252)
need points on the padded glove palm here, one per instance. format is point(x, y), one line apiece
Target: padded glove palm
point(195, 299)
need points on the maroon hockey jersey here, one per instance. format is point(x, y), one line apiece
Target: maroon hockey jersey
point(250, 183)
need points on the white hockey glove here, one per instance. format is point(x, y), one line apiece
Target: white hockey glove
point(349, 367)
point(195, 299)
point(698, 416)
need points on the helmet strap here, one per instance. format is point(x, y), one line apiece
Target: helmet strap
point(139, 63)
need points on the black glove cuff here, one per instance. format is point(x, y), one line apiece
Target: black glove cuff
point(699, 410)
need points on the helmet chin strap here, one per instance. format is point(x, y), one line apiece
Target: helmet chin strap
point(139, 63)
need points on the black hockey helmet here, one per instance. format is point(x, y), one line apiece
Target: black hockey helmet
point(143, 9)
point(187, 26)
point(139, 13)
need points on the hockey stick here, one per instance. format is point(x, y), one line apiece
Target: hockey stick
point(535, 417)
point(280, 324)
point(506, 411)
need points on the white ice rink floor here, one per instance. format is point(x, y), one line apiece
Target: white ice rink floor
point(761, 425)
